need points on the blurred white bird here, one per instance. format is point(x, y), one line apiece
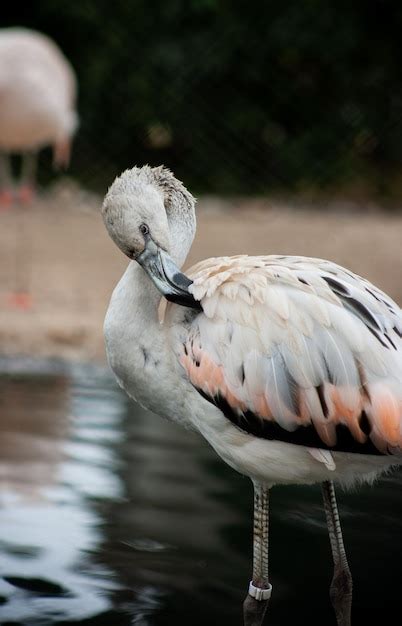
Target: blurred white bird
point(37, 106)
point(290, 367)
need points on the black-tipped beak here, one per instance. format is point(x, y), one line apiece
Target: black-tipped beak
point(166, 276)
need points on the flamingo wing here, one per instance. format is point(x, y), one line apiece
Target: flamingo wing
point(297, 350)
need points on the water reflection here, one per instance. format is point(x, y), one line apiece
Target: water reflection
point(55, 456)
point(33, 426)
point(110, 516)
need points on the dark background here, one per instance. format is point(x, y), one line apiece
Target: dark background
point(236, 97)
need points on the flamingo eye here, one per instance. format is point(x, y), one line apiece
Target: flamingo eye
point(144, 229)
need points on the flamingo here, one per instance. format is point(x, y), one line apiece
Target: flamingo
point(37, 98)
point(290, 367)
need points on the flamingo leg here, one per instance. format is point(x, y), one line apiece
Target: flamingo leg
point(256, 602)
point(342, 584)
point(6, 185)
point(28, 177)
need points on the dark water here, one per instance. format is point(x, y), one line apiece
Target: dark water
point(111, 516)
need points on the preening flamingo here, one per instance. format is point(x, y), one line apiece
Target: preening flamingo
point(290, 367)
point(37, 105)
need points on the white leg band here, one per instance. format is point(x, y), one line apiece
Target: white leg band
point(258, 593)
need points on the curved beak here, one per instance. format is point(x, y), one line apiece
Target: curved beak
point(166, 276)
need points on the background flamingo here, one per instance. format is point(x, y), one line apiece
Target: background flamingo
point(290, 367)
point(37, 106)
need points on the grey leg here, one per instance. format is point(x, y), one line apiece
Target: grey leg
point(5, 170)
point(28, 169)
point(6, 183)
point(342, 584)
point(28, 177)
point(256, 602)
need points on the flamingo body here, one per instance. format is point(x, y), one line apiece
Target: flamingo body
point(37, 107)
point(37, 92)
point(297, 351)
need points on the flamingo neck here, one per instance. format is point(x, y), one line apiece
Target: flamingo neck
point(136, 345)
point(142, 298)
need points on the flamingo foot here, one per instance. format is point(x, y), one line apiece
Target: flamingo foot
point(20, 300)
point(6, 199)
point(26, 194)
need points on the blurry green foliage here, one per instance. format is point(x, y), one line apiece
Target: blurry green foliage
point(234, 96)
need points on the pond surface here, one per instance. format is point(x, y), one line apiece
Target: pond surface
point(110, 516)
